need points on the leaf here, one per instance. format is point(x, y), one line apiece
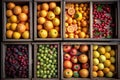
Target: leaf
point(99, 8)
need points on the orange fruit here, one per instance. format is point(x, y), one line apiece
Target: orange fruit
point(69, 20)
point(69, 5)
point(112, 68)
point(71, 11)
point(13, 19)
point(100, 73)
point(16, 35)
point(76, 36)
point(95, 68)
point(8, 25)
point(94, 74)
point(17, 10)
point(84, 14)
point(66, 35)
point(71, 35)
point(10, 5)
point(50, 15)
point(84, 8)
point(38, 14)
point(74, 21)
point(70, 29)
point(9, 33)
point(82, 34)
point(25, 9)
point(21, 27)
point(27, 26)
point(48, 25)
point(42, 33)
point(9, 13)
point(45, 6)
point(43, 13)
point(75, 27)
point(87, 36)
point(57, 10)
point(13, 26)
point(106, 70)
point(84, 23)
point(53, 33)
point(25, 35)
point(38, 7)
point(39, 27)
point(22, 17)
point(79, 23)
point(8, 20)
point(41, 20)
point(82, 5)
point(85, 30)
point(76, 32)
point(52, 5)
point(57, 28)
point(56, 22)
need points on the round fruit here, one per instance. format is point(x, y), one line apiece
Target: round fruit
point(9, 33)
point(100, 66)
point(84, 73)
point(107, 55)
point(112, 59)
point(106, 70)
point(52, 5)
point(13, 26)
point(38, 7)
point(27, 26)
point(50, 15)
point(100, 73)
point(101, 50)
point(112, 68)
point(9, 13)
point(39, 27)
point(95, 68)
point(45, 6)
point(83, 48)
point(13, 18)
point(112, 53)
point(25, 35)
point(107, 63)
point(109, 74)
point(102, 58)
point(83, 58)
point(25, 9)
point(8, 25)
point(95, 47)
point(84, 23)
point(22, 17)
point(10, 5)
point(107, 48)
point(21, 28)
point(56, 22)
point(43, 13)
point(96, 54)
point(67, 64)
point(48, 25)
point(57, 10)
point(17, 10)
point(43, 33)
point(95, 61)
point(94, 74)
point(68, 73)
point(41, 20)
point(82, 34)
point(71, 11)
point(53, 33)
point(16, 35)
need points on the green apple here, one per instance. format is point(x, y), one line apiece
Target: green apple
point(102, 58)
point(112, 59)
point(109, 74)
point(95, 47)
point(101, 50)
point(96, 54)
point(95, 61)
point(107, 48)
point(38, 66)
point(100, 66)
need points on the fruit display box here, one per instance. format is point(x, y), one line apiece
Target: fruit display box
point(17, 22)
point(46, 61)
point(16, 61)
point(91, 20)
point(85, 68)
point(48, 22)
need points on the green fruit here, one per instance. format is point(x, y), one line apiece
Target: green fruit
point(49, 76)
point(102, 58)
point(39, 58)
point(38, 66)
point(109, 74)
point(96, 54)
point(44, 76)
point(112, 59)
point(75, 74)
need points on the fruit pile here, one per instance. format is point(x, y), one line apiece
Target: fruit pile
point(77, 20)
point(103, 21)
point(48, 21)
point(16, 61)
point(75, 61)
point(47, 61)
point(17, 25)
point(103, 61)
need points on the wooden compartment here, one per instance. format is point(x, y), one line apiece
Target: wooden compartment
point(17, 2)
point(4, 47)
point(114, 46)
point(114, 4)
point(36, 46)
point(36, 37)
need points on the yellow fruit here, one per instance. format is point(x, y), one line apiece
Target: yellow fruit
point(100, 73)
point(53, 33)
point(107, 48)
point(107, 55)
point(48, 25)
point(45, 6)
point(112, 59)
point(9, 33)
point(13, 26)
point(16, 35)
point(43, 13)
point(17, 10)
point(112, 68)
point(71, 35)
point(57, 10)
point(22, 17)
point(107, 63)
point(112, 53)
point(41, 20)
point(50, 15)
point(67, 73)
point(43, 33)
point(84, 23)
point(10, 5)
point(106, 70)
point(9, 13)
point(13, 19)
point(101, 50)
point(78, 16)
point(25, 35)
point(95, 47)
point(56, 22)
point(52, 5)
point(38, 7)
point(82, 34)
point(8, 25)
point(94, 74)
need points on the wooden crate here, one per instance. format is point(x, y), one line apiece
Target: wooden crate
point(35, 60)
point(3, 51)
point(21, 2)
point(36, 38)
point(116, 12)
point(115, 46)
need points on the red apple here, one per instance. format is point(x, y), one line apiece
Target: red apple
point(73, 52)
point(67, 48)
point(74, 59)
point(67, 56)
point(76, 67)
point(85, 65)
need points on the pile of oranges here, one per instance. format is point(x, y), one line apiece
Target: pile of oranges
point(17, 25)
point(48, 20)
point(77, 20)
